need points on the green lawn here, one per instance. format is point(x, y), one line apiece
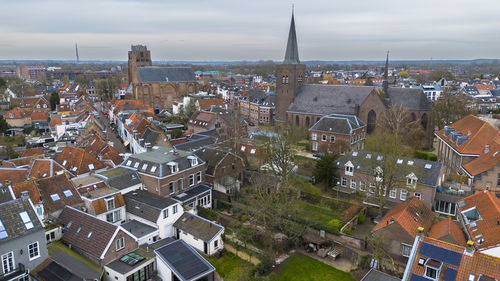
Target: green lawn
point(230, 267)
point(304, 268)
point(317, 213)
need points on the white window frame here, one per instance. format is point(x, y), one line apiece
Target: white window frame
point(165, 213)
point(393, 193)
point(353, 184)
point(314, 136)
point(198, 177)
point(435, 269)
point(343, 181)
point(174, 209)
point(191, 180)
point(362, 186)
point(11, 266)
point(107, 201)
point(120, 246)
point(332, 138)
point(323, 138)
point(408, 248)
point(36, 250)
point(418, 195)
point(405, 193)
point(315, 146)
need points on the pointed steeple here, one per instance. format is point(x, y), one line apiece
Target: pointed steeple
point(292, 51)
point(385, 83)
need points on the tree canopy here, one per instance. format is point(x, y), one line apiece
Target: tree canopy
point(325, 170)
point(54, 100)
point(450, 108)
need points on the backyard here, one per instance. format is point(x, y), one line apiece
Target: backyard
point(230, 267)
point(304, 268)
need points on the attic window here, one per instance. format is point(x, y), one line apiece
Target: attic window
point(136, 165)
point(90, 234)
point(192, 160)
point(78, 230)
point(74, 169)
point(355, 153)
point(128, 162)
point(368, 156)
point(410, 163)
point(379, 158)
point(55, 197)
point(64, 162)
point(3, 232)
point(242, 148)
point(145, 166)
point(67, 193)
point(91, 166)
point(428, 166)
point(400, 161)
point(26, 220)
point(153, 169)
point(252, 151)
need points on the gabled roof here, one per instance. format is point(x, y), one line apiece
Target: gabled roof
point(146, 205)
point(408, 98)
point(328, 99)
point(32, 152)
point(212, 156)
point(57, 185)
point(98, 148)
point(120, 178)
point(448, 231)
point(375, 275)
point(10, 216)
point(30, 187)
point(487, 206)
point(410, 215)
point(208, 103)
point(39, 116)
point(99, 206)
point(20, 162)
point(16, 113)
point(44, 168)
point(338, 123)
point(55, 121)
point(156, 74)
point(184, 261)
point(487, 160)
point(478, 134)
point(198, 227)
point(78, 161)
point(193, 192)
point(77, 227)
point(13, 175)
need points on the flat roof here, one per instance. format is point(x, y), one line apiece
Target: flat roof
point(99, 192)
point(192, 192)
point(138, 229)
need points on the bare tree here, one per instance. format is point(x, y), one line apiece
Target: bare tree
point(450, 108)
point(279, 156)
point(400, 122)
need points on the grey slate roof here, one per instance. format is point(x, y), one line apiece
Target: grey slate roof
point(196, 143)
point(120, 177)
point(138, 229)
point(11, 219)
point(152, 74)
point(212, 156)
point(146, 205)
point(409, 98)
point(338, 123)
point(292, 50)
point(328, 99)
point(198, 190)
point(198, 227)
point(184, 261)
point(375, 275)
point(427, 176)
point(159, 157)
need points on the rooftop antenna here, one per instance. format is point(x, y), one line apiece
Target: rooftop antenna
point(77, 57)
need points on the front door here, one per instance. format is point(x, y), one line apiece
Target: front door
point(205, 248)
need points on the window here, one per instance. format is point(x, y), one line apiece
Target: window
point(8, 262)
point(418, 195)
point(179, 184)
point(193, 160)
point(404, 194)
point(153, 169)
point(110, 203)
point(174, 209)
point(411, 180)
point(171, 187)
point(216, 244)
point(26, 220)
point(332, 138)
point(349, 169)
point(362, 186)
point(406, 250)
point(165, 213)
point(205, 200)
point(323, 137)
point(353, 184)
point(198, 177)
point(314, 137)
point(191, 180)
point(145, 166)
point(392, 194)
point(3, 232)
point(67, 193)
point(315, 146)
point(343, 181)
point(371, 189)
point(431, 272)
point(113, 216)
point(49, 237)
point(55, 197)
point(498, 180)
point(136, 164)
point(120, 243)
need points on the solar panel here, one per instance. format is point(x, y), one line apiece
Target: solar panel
point(3, 232)
point(440, 254)
point(131, 259)
point(450, 274)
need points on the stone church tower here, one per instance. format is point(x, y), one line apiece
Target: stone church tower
point(139, 55)
point(290, 75)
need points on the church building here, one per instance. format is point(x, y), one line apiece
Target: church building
point(301, 105)
point(157, 87)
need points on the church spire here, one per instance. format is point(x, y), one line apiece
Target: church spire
point(385, 83)
point(292, 51)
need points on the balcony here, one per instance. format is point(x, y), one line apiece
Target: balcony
point(17, 272)
point(450, 194)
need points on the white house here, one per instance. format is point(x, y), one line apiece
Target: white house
point(202, 234)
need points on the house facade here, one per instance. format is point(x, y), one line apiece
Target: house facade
point(337, 133)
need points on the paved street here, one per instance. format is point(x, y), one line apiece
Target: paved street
point(110, 134)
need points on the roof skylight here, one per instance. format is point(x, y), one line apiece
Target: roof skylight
point(3, 232)
point(55, 197)
point(67, 193)
point(26, 220)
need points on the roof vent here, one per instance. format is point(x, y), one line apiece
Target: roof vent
point(487, 148)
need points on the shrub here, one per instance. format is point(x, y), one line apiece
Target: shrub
point(223, 205)
point(361, 218)
point(364, 262)
point(207, 213)
point(348, 231)
point(335, 223)
point(425, 155)
point(265, 266)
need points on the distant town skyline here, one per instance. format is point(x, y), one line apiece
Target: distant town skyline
point(223, 30)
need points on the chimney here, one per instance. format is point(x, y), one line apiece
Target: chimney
point(25, 195)
point(486, 148)
point(420, 231)
point(469, 248)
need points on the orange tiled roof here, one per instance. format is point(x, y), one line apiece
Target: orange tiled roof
point(100, 206)
point(208, 103)
point(16, 113)
point(39, 116)
point(488, 207)
point(410, 214)
point(46, 168)
point(19, 162)
point(482, 87)
point(485, 161)
point(101, 150)
point(30, 187)
point(55, 121)
point(449, 231)
point(57, 185)
point(78, 161)
point(32, 152)
point(478, 131)
point(13, 175)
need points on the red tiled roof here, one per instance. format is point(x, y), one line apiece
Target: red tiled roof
point(39, 116)
point(31, 152)
point(55, 121)
point(19, 162)
point(488, 207)
point(448, 231)
point(482, 87)
point(13, 175)
point(100, 205)
point(57, 185)
point(485, 161)
point(101, 150)
point(208, 103)
point(478, 131)
point(46, 168)
point(410, 214)
point(30, 187)
point(78, 161)
point(16, 113)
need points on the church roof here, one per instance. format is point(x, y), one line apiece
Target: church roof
point(292, 51)
point(156, 74)
point(408, 98)
point(328, 99)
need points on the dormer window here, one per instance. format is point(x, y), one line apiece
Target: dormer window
point(110, 203)
point(193, 160)
point(411, 180)
point(349, 167)
point(173, 166)
point(432, 268)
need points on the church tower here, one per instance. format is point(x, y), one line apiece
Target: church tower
point(385, 83)
point(138, 56)
point(290, 75)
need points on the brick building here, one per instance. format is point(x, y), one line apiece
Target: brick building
point(337, 133)
point(258, 106)
point(167, 172)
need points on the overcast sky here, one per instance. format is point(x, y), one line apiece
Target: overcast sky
point(250, 30)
